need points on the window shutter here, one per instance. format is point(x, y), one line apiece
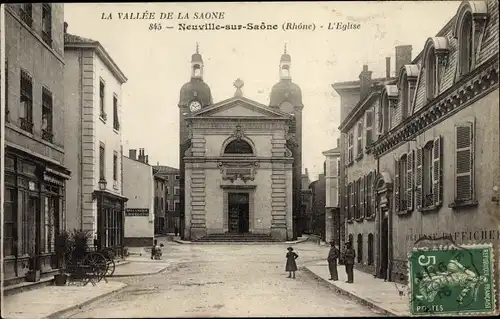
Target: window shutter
point(346, 200)
point(464, 162)
point(362, 197)
point(437, 172)
point(396, 186)
point(351, 210)
point(409, 181)
point(418, 178)
point(373, 192)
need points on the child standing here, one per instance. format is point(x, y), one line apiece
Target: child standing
point(291, 266)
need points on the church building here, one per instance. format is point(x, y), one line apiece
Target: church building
point(240, 160)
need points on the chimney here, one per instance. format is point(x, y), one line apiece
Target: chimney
point(307, 172)
point(388, 67)
point(365, 82)
point(65, 27)
point(139, 158)
point(146, 158)
point(132, 154)
point(338, 142)
point(403, 56)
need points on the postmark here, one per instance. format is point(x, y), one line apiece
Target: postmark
point(451, 279)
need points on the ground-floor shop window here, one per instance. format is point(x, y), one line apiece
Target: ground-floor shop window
point(10, 222)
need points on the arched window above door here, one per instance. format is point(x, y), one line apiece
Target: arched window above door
point(238, 146)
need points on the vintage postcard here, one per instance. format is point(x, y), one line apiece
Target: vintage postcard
point(249, 159)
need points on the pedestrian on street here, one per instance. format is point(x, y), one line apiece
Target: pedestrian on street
point(332, 261)
point(153, 249)
point(176, 231)
point(291, 265)
point(350, 255)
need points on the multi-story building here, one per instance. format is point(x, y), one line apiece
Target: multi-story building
point(305, 216)
point(437, 150)
point(334, 225)
point(358, 132)
point(172, 196)
point(35, 168)
point(318, 206)
point(160, 202)
point(139, 188)
point(93, 95)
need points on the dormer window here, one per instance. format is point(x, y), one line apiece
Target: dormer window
point(359, 150)
point(430, 74)
point(383, 117)
point(470, 25)
point(404, 100)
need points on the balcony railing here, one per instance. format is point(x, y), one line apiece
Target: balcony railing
point(47, 135)
point(26, 125)
point(428, 200)
point(26, 18)
point(47, 38)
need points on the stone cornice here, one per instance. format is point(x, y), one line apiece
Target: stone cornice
point(246, 123)
point(467, 90)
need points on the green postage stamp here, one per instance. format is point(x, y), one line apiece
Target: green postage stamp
point(452, 280)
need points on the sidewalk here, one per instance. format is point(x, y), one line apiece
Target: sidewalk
point(292, 242)
point(141, 267)
point(374, 292)
point(52, 300)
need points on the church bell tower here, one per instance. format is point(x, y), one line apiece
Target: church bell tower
point(194, 96)
point(287, 96)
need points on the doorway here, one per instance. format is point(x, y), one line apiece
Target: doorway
point(384, 248)
point(238, 210)
point(32, 226)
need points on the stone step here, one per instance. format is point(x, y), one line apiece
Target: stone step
point(237, 238)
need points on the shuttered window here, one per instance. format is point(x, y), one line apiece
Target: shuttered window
point(359, 150)
point(362, 197)
point(437, 174)
point(102, 162)
point(350, 147)
point(409, 180)
point(397, 182)
point(351, 201)
point(369, 127)
point(419, 178)
point(464, 162)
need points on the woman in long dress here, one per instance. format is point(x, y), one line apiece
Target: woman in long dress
point(291, 265)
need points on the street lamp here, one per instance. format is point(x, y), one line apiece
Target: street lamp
point(102, 184)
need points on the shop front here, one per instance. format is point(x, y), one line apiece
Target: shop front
point(33, 214)
point(110, 220)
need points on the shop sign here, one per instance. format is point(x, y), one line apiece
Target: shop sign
point(136, 212)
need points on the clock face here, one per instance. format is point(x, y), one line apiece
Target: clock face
point(194, 106)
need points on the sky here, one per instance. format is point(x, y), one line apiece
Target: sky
point(157, 62)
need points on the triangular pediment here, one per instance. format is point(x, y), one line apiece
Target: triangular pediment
point(240, 107)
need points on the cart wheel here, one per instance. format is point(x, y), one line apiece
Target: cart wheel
point(109, 253)
point(98, 264)
point(111, 268)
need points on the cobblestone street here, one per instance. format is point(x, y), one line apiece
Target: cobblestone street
point(224, 280)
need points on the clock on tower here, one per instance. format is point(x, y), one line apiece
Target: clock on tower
point(194, 106)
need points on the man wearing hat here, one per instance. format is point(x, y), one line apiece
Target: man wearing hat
point(332, 261)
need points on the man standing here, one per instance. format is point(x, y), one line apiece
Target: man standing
point(332, 262)
point(349, 257)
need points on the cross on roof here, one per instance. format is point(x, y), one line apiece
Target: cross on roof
point(238, 83)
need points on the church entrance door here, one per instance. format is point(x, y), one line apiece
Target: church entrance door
point(238, 210)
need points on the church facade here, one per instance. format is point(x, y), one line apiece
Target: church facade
point(239, 159)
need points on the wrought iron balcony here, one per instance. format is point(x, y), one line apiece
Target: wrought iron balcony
point(26, 125)
point(428, 200)
point(26, 18)
point(46, 37)
point(47, 135)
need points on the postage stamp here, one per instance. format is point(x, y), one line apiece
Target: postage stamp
point(452, 280)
